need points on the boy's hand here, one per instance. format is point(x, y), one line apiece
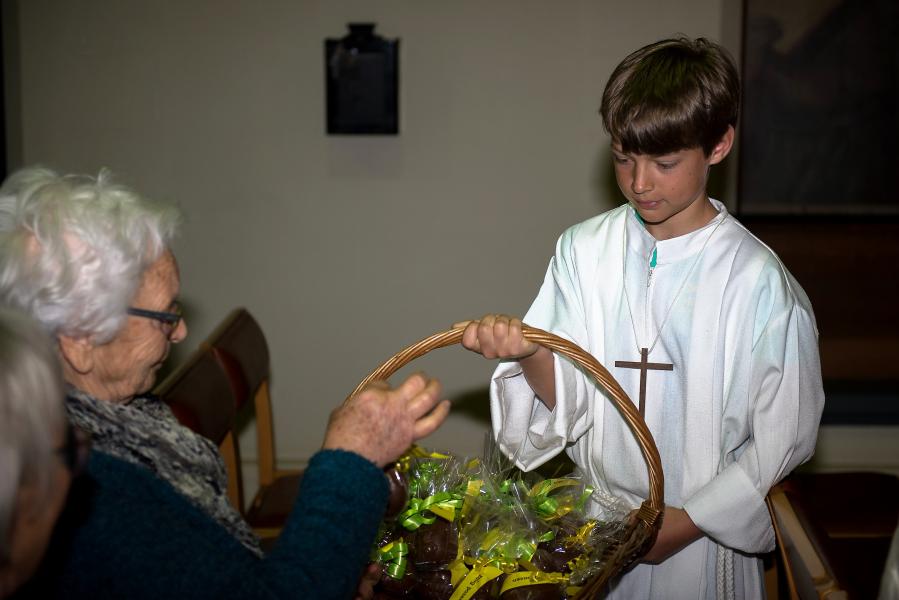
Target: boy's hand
point(677, 531)
point(500, 336)
point(497, 336)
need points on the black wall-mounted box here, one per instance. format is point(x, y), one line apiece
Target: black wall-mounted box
point(362, 77)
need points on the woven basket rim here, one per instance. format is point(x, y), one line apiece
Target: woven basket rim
point(648, 517)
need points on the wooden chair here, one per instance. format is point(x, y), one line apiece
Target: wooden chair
point(220, 387)
point(808, 576)
point(834, 531)
point(201, 396)
point(239, 346)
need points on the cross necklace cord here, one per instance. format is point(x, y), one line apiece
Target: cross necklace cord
point(644, 365)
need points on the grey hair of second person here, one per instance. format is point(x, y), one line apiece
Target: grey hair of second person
point(32, 414)
point(73, 248)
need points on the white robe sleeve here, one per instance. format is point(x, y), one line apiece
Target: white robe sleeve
point(785, 403)
point(524, 428)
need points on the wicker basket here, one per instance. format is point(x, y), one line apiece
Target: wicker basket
point(642, 529)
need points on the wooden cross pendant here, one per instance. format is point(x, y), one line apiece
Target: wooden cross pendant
point(644, 365)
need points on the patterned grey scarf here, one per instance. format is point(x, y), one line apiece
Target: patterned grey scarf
point(145, 432)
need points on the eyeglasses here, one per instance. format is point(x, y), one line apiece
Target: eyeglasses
point(76, 450)
point(169, 320)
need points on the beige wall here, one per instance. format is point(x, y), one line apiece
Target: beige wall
point(345, 248)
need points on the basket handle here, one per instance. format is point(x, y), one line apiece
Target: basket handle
point(652, 508)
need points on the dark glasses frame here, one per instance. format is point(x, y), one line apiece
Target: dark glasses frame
point(169, 319)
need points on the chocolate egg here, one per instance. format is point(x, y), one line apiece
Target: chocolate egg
point(434, 546)
point(433, 585)
point(397, 588)
point(399, 492)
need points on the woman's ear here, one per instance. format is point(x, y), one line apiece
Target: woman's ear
point(723, 147)
point(77, 353)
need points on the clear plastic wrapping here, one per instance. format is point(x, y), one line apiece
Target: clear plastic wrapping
point(479, 529)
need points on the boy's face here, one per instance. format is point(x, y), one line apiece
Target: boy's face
point(668, 190)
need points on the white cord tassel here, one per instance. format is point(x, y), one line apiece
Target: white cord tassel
point(724, 572)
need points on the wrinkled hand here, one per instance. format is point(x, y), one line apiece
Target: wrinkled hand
point(370, 578)
point(497, 336)
point(381, 423)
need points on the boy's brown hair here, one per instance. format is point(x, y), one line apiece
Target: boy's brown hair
point(671, 95)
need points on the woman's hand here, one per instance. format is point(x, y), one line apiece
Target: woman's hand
point(381, 423)
point(367, 583)
point(497, 336)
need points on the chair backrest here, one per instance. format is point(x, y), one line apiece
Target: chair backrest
point(239, 345)
point(201, 395)
point(808, 575)
point(221, 386)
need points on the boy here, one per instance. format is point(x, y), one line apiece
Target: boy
point(696, 318)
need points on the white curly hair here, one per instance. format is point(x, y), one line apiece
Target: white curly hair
point(73, 248)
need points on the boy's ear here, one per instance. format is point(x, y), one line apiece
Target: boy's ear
point(722, 148)
point(77, 352)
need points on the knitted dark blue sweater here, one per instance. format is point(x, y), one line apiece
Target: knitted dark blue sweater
point(128, 534)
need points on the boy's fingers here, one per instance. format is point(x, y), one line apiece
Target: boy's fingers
point(470, 338)
point(487, 321)
point(516, 329)
point(501, 328)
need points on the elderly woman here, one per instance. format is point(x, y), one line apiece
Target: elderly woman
point(125, 533)
point(37, 457)
point(90, 260)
